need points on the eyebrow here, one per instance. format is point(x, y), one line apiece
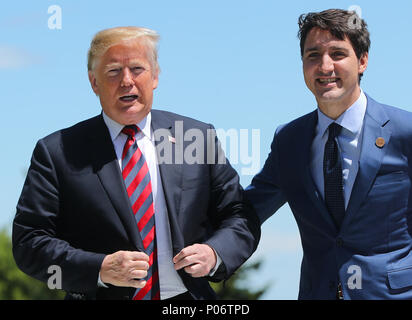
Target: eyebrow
point(333, 48)
point(120, 65)
point(112, 65)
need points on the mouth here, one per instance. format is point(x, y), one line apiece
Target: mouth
point(327, 81)
point(129, 98)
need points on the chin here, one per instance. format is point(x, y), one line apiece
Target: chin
point(134, 117)
point(330, 95)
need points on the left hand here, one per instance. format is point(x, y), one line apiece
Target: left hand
point(197, 260)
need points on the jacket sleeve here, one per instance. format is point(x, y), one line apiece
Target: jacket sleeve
point(264, 192)
point(36, 243)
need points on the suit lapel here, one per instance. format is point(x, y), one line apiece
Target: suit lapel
point(107, 168)
point(168, 136)
point(307, 135)
point(370, 157)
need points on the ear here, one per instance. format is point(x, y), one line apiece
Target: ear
point(363, 62)
point(155, 79)
point(93, 83)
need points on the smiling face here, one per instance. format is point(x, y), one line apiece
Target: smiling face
point(124, 80)
point(331, 70)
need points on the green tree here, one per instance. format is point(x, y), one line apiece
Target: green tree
point(233, 289)
point(16, 285)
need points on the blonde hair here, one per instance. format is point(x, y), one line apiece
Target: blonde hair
point(104, 39)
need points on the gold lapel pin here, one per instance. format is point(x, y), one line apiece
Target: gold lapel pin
point(380, 142)
point(172, 139)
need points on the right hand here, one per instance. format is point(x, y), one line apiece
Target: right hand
point(125, 269)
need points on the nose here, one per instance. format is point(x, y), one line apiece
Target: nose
point(127, 79)
point(326, 64)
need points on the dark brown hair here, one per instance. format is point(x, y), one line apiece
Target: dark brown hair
point(341, 24)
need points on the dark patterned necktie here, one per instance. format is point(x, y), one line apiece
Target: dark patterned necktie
point(332, 173)
point(139, 188)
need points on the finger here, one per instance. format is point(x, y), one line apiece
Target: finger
point(190, 250)
point(185, 262)
point(178, 257)
point(138, 265)
point(193, 269)
point(138, 274)
point(138, 256)
point(138, 284)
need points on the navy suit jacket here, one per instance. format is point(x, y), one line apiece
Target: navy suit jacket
point(74, 208)
point(371, 254)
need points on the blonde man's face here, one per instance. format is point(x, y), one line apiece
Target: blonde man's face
point(124, 81)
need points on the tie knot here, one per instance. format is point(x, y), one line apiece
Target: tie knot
point(334, 130)
point(130, 130)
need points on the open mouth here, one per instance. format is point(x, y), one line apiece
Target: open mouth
point(129, 98)
point(326, 81)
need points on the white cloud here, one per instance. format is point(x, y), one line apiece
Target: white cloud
point(15, 58)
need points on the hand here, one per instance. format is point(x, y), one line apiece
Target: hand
point(125, 268)
point(197, 260)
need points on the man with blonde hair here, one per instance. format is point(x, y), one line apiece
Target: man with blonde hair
point(111, 202)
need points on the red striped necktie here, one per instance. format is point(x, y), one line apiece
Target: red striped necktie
point(139, 188)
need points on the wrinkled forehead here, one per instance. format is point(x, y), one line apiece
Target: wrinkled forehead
point(126, 52)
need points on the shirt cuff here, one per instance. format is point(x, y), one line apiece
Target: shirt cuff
point(218, 262)
point(100, 283)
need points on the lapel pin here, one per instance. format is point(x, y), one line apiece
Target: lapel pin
point(172, 139)
point(380, 142)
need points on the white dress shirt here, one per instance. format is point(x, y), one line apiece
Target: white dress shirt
point(170, 282)
point(349, 140)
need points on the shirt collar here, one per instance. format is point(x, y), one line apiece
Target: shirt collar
point(351, 119)
point(115, 128)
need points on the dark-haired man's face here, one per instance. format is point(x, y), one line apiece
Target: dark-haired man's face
point(331, 70)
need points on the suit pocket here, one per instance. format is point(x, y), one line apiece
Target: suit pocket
point(391, 177)
point(400, 278)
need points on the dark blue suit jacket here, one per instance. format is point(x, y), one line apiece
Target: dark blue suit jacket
point(74, 208)
point(371, 254)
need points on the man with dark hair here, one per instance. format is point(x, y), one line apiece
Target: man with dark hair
point(345, 169)
point(340, 24)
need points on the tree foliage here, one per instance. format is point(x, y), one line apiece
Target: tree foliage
point(16, 285)
point(236, 287)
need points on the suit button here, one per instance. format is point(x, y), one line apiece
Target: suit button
point(339, 242)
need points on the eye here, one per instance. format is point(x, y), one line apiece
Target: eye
point(338, 54)
point(312, 55)
point(136, 70)
point(113, 72)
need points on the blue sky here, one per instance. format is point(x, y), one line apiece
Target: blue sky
point(235, 64)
